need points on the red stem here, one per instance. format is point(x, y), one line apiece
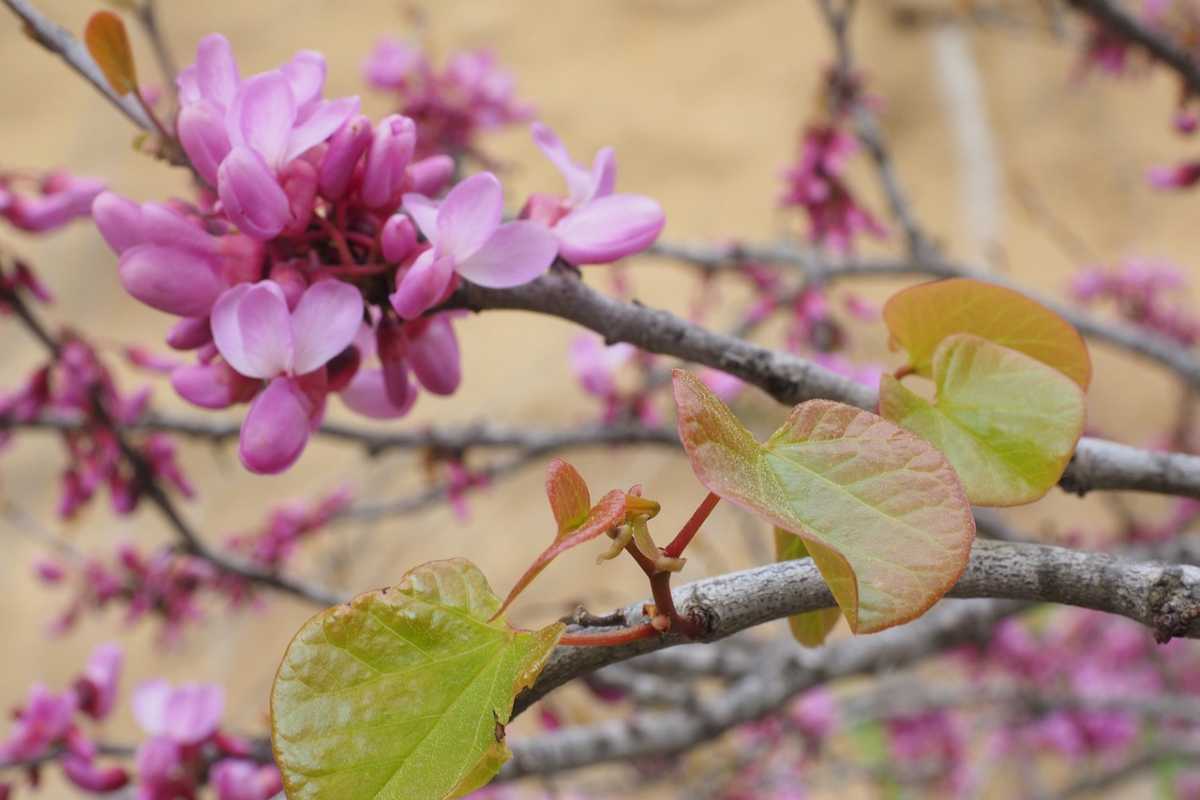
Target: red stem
point(609, 638)
point(691, 527)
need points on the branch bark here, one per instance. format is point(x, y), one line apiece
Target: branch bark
point(790, 380)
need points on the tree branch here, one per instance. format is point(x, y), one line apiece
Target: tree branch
point(58, 39)
point(1161, 48)
point(789, 379)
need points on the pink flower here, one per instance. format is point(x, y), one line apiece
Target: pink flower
point(593, 225)
point(469, 239)
point(60, 197)
point(243, 135)
point(596, 365)
point(1181, 176)
point(257, 335)
point(87, 775)
point(167, 260)
point(44, 721)
point(185, 715)
point(97, 687)
point(162, 770)
point(816, 185)
point(240, 779)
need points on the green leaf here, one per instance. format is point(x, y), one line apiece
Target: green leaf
point(402, 692)
point(880, 510)
point(577, 520)
point(920, 317)
point(812, 627)
point(1007, 422)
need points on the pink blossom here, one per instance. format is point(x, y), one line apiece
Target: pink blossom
point(168, 260)
point(451, 107)
point(244, 135)
point(816, 184)
point(57, 198)
point(286, 527)
point(257, 335)
point(97, 687)
point(469, 239)
point(44, 721)
point(240, 779)
point(596, 365)
point(186, 714)
point(1181, 176)
point(593, 225)
point(89, 776)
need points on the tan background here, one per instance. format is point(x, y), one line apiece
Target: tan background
point(702, 100)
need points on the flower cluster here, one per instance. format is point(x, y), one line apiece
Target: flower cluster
point(185, 747)
point(163, 582)
point(471, 94)
point(38, 203)
point(273, 544)
point(49, 724)
point(1140, 290)
point(316, 264)
point(79, 388)
point(817, 184)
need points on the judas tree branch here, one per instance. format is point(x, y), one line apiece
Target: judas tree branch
point(1165, 598)
point(58, 39)
point(1112, 16)
point(789, 379)
point(784, 673)
point(818, 270)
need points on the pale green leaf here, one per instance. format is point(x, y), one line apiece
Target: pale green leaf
point(1007, 422)
point(402, 692)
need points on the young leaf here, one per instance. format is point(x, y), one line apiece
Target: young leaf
point(108, 43)
point(880, 510)
point(812, 627)
point(577, 520)
point(402, 692)
point(920, 317)
point(1007, 422)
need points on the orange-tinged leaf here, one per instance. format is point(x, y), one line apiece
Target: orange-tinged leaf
point(879, 509)
point(812, 627)
point(108, 43)
point(920, 317)
point(577, 522)
point(1007, 422)
point(568, 494)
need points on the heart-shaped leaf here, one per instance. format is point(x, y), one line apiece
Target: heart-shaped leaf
point(920, 317)
point(402, 692)
point(108, 43)
point(812, 627)
point(1007, 422)
point(880, 510)
point(578, 521)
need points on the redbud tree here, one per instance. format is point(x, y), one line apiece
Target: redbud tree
point(318, 267)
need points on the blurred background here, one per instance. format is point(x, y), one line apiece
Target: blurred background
point(1015, 160)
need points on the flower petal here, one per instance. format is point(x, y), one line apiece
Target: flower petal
point(609, 228)
point(170, 279)
point(604, 173)
point(216, 73)
point(119, 221)
point(325, 119)
point(434, 356)
point(580, 183)
point(517, 253)
point(251, 195)
point(367, 395)
point(422, 284)
point(423, 212)
point(275, 429)
point(324, 323)
point(469, 216)
point(201, 129)
point(252, 330)
point(306, 75)
point(262, 116)
point(167, 227)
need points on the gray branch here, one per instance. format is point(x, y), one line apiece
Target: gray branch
point(789, 379)
point(58, 39)
point(1161, 48)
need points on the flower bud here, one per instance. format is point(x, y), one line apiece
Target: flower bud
point(399, 238)
point(341, 157)
point(434, 356)
point(170, 279)
point(384, 171)
point(430, 175)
